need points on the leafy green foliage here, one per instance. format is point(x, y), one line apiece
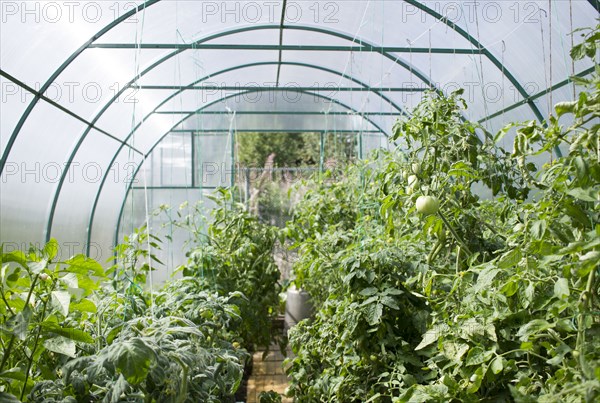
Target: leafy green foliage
point(66, 337)
point(293, 149)
point(290, 149)
point(493, 300)
point(236, 255)
point(269, 397)
point(39, 300)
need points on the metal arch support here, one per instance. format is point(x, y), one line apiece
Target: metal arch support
point(228, 32)
point(57, 192)
point(537, 95)
point(396, 60)
point(485, 51)
point(58, 71)
point(134, 175)
point(341, 35)
point(399, 108)
point(91, 220)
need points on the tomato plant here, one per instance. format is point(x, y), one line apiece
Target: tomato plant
point(71, 333)
point(43, 307)
point(476, 298)
point(236, 255)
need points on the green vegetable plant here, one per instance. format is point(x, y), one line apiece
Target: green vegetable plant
point(70, 334)
point(236, 255)
point(44, 306)
point(166, 358)
point(454, 270)
point(269, 397)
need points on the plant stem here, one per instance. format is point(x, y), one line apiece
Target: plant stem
point(7, 352)
point(184, 379)
point(12, 338)
point(35, 344)
point(455, 235)
point(434, 252)
point(6, 302)
point(587, 294)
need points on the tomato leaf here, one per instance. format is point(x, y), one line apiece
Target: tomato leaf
point(497, 365)
point(430, 336)
point(61, 345)
point(60, 301)
point(8, 398)
point(51, 249)
point(13, 373)
point(84, 265)
point(367, 292)
point(133, 358)
point(15, 256)
point(85, 305)
point(561, 288)
point(588, 195)
point(510, 259)
point(533, 327)
point(37, 267)
point(478, 355)
point(67, 332)
point(538, 229)
point(118, 388)
point(374, 312)
point(18, 325)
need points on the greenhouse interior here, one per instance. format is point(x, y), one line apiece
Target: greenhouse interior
point(300, 201)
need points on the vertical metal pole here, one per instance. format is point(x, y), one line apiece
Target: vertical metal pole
point(162, 163)
point(193, 162)
point(322, 152)
point(247, 187)
point(232, 134)
point(360, 145)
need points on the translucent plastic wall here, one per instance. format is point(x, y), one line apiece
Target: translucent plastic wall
point(110, 109)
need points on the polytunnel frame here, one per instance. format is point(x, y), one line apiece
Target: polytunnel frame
point(182, 47)
point(281, 27)
point(364, 44)
point(39, 94)
point(171, 96)
point(190, 115)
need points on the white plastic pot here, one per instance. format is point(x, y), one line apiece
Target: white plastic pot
point(297, 307)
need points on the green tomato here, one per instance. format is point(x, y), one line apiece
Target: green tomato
point(413, 181)
point(416, 167)
point(427, 205)
point(44, 277)
point(373, 357)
